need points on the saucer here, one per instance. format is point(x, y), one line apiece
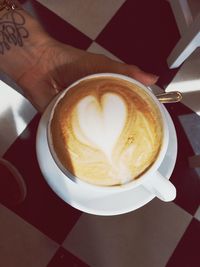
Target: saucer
point(97, 202)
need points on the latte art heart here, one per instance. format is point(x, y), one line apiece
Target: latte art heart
point(106, 131)
point(100, 122)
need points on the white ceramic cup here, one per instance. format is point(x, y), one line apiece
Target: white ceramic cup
point(151, 179)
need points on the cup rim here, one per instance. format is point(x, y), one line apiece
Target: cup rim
point(133, 183)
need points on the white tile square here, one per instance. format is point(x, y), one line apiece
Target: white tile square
point(197, 214)
point(191, 126)
point(21, 244)
point(187, 81)
point(145, 237)
point(15, 114)
point(88, 16)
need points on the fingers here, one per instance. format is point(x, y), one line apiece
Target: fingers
point(142, 76)
point(105, 64)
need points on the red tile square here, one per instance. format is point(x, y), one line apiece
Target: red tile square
point(63, 258)
point(41, 207)
point(59, 28)
point(187, 253)
point(142, 33)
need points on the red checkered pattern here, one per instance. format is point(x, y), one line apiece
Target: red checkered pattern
point(44, 230)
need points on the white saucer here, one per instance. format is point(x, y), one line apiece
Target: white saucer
point(86, 200)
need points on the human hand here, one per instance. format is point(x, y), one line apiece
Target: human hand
point(43, 66)
point(59, 65)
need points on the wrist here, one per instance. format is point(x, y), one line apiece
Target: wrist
point(22, 41)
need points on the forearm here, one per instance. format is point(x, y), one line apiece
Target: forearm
point(22, 41)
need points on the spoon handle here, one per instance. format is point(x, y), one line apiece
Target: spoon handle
point(169, 97)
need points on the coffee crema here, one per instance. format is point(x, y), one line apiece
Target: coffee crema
point(106, 131)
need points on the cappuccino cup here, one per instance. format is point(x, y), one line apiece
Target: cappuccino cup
point(109, 132)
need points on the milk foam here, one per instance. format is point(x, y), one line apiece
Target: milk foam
point(106, 133)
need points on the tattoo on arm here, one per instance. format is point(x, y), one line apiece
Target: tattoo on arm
point(12, 30)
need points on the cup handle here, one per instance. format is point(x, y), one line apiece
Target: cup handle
point(161, 187)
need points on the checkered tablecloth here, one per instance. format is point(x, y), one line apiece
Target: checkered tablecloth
point(44, 231)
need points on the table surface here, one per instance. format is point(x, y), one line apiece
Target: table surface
point(45, 231)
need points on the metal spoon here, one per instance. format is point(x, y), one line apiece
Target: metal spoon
point(169, 97)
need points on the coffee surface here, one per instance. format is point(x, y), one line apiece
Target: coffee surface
point(106, 131)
